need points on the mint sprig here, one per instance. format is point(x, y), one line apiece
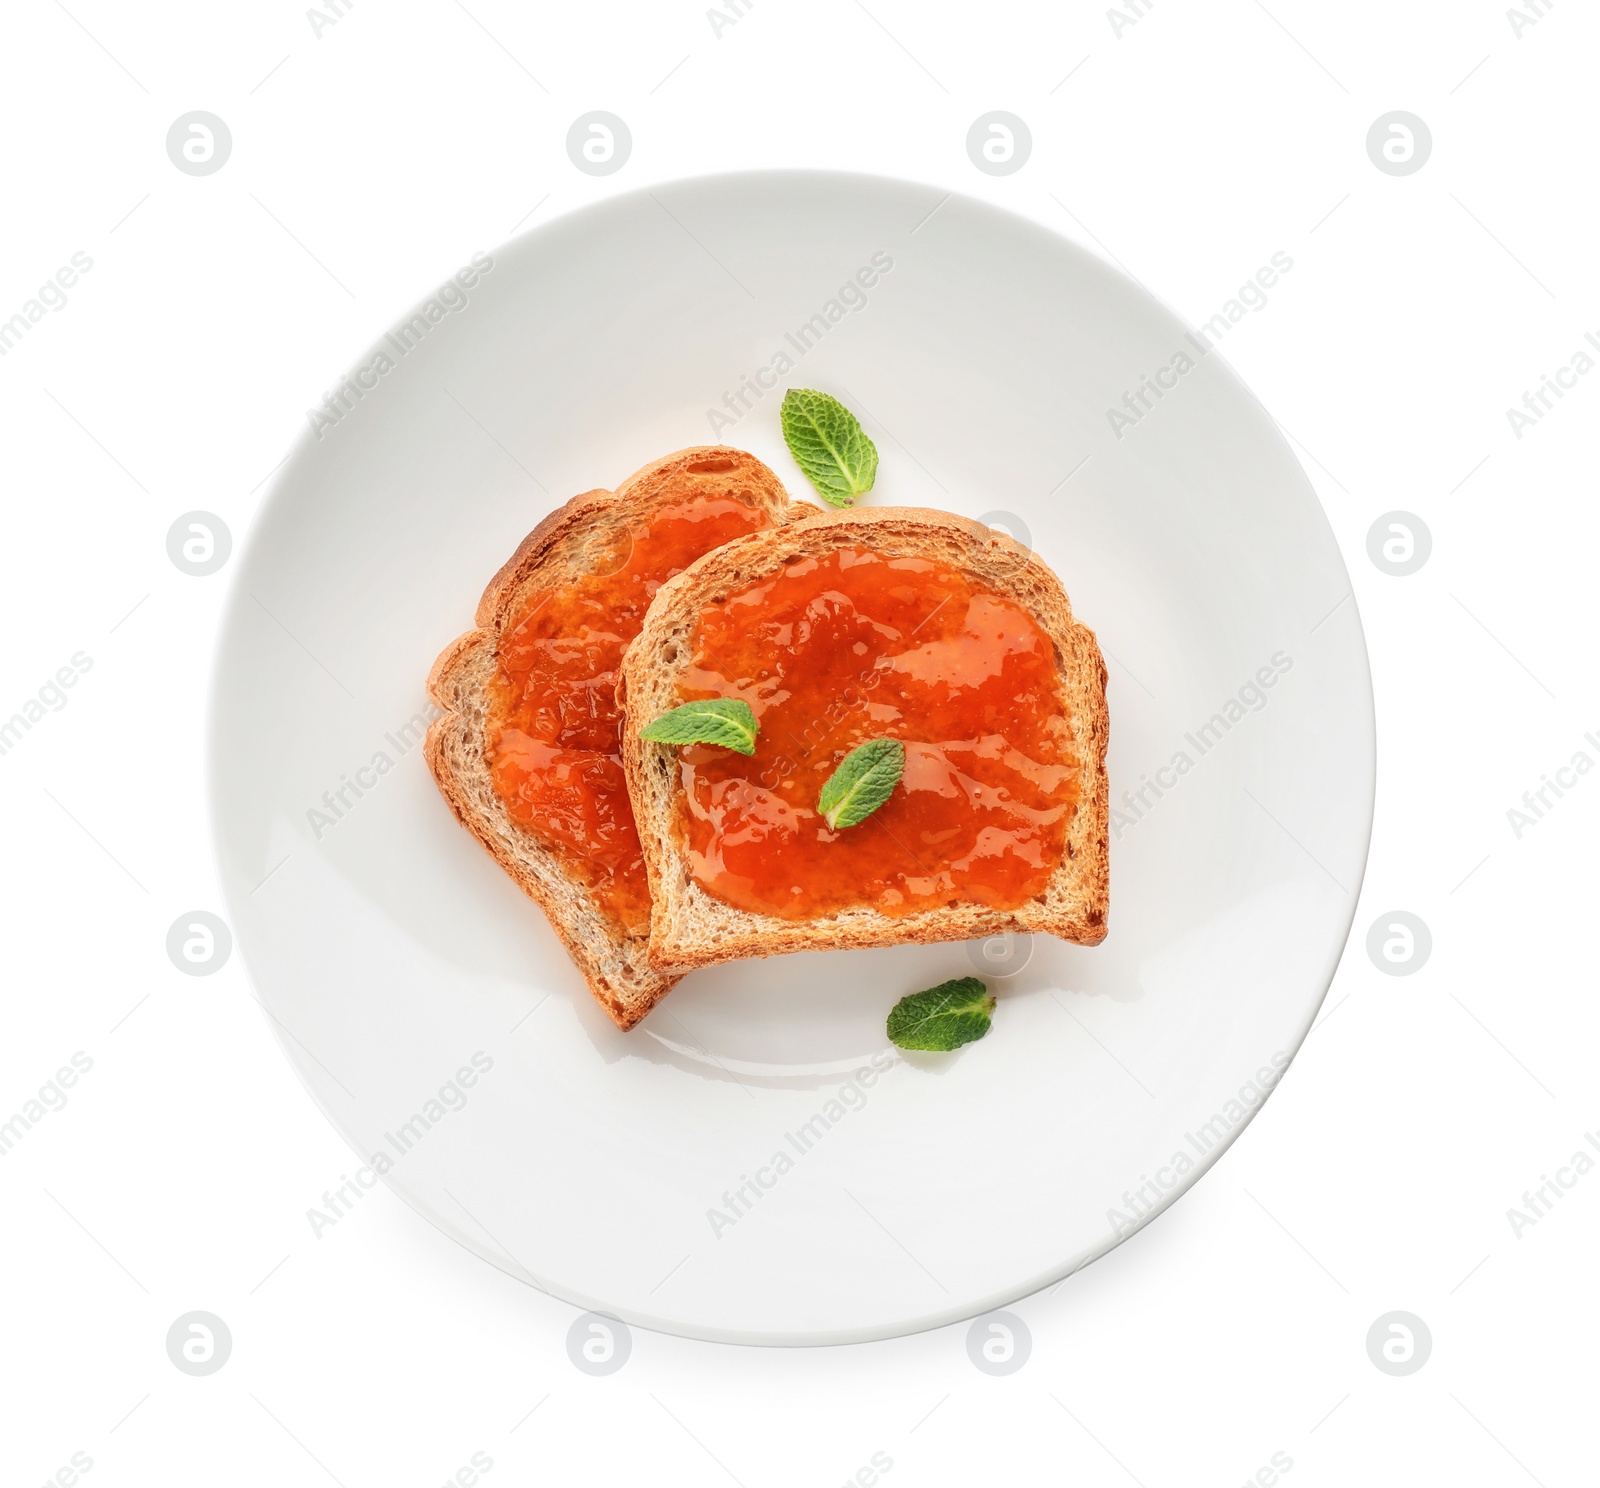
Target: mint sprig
point(725, 721)
point(865, 779)
point(942, 1018)
point(829, 445)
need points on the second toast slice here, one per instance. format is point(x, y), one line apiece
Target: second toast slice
point(897, 623)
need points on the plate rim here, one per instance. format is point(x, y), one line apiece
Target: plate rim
point(232, 608)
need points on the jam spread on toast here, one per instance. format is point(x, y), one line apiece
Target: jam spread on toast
point(850, 646)
point(552, 733)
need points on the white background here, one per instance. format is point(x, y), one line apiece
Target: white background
point(368, 163)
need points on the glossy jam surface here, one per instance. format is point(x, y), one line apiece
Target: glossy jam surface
point(552, 737)
point(855, 646)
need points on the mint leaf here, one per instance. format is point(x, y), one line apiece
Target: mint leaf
point(942, 1018)
point(725, 721)
point(829, 445)
point(865, 779)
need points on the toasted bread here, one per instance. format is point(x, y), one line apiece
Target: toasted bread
point(690, 926)
point(582, 537)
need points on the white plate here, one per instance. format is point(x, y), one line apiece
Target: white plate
point(389, 949)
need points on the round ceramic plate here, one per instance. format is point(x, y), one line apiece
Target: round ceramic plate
point(755, 1162)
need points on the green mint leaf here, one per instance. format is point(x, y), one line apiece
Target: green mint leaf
point(725, 721)
point(865, 779)
point(829, 445)
point(942, 1018)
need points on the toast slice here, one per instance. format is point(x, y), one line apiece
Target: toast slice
point(591, 535)
point(690, 926)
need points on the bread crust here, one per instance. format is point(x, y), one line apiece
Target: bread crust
point(690, 927)
point(586, 535)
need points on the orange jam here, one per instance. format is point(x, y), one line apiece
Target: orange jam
point(852, 646)
point(552, 735)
